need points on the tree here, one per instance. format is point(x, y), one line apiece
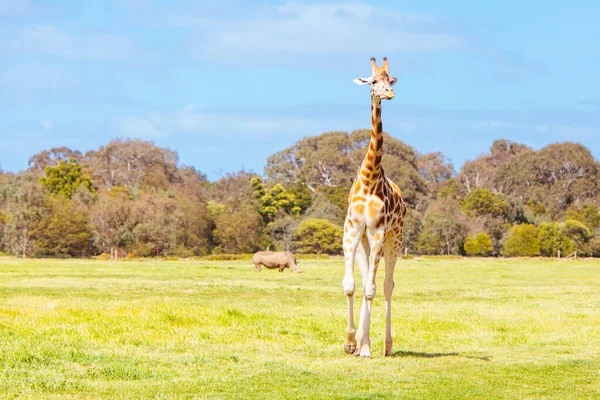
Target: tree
point(281, 231)
point(65, 178)
point(322, 208)
point(497, 229)
point(450, 189)
point(52, 157)
point(331, 160)
point(274, 200)
point(579, 234)
point(132, 163)
point(2, 222)
point(112, 220)
point(482, 202)
point(479, 245)
point(482, 172)
point(552, 239)
point(413, 226)
point(159, 221)
point(62, 231)
point(595, 247)
point(588, 214)
point(238, 225)
point(435, 169)
point(24, 211)
point(522, 240)
point(558, 175)
point(238, 231)
point(318, 236)
point(444, 229)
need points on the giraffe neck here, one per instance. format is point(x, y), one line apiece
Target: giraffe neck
point(371, 166)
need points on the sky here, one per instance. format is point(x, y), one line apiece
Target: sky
point(227, 83)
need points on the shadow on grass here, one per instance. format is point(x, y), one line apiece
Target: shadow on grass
point(402, 353)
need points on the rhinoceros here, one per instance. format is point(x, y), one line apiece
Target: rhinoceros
point(275, 259)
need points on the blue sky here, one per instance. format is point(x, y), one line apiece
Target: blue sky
point(227, 83)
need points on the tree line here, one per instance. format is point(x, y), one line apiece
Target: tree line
point(131, 197)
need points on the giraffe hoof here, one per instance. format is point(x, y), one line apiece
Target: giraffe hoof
point(350, 348)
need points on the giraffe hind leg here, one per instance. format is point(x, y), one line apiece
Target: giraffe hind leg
point(391, 251)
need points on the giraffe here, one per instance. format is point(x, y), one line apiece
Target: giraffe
point(374, 224)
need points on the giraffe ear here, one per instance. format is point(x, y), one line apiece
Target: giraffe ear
point(363, 81)
point(393, 81)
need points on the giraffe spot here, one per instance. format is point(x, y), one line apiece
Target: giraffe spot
point(380, 222)
point(378, 112)
point(369, 156)
point(359, 208)
point(349, 223)
point(364, 190)
point(378, 159)
point(371, 148)
point(374, 210)
point(379, 127)
point(380, 140)
point(369, 167)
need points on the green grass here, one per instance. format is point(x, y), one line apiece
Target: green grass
point(463, 328)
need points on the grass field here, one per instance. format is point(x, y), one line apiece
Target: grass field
point(464, 328)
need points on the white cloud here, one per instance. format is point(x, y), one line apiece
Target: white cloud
point(138, 127)
point(35, 77)
point(493, 124)
point(218, 126)
point(27, 82)
point(48, 39)
point(11, 8)
point(316, 29)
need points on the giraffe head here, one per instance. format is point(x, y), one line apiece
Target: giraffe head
point(381, 81)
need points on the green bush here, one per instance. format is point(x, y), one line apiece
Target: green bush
point(318, 236)
point(479, 245)
point(522, 240)
point(552, 239)
point(579, 234)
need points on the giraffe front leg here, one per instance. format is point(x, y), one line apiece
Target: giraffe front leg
point(362, 259)
point(351, 239)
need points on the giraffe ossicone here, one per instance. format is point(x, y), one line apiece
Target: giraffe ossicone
point(374, 224)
